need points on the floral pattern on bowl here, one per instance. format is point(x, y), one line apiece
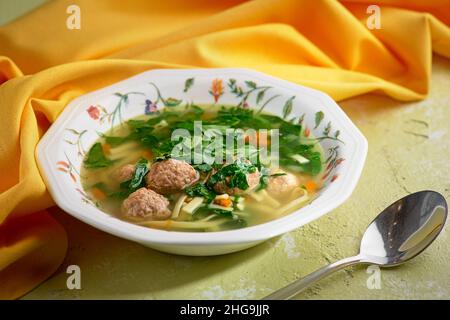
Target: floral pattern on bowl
point(61, 151)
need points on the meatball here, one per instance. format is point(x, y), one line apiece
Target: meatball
point(252, 181)
point(171, 176)
point(124, 173)
point(282, 184)
point(146, 204)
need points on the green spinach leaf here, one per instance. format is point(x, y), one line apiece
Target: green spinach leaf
point(200, 190)
point(96, 158)
point(138, 179)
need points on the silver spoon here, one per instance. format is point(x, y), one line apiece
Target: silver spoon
point(398, 234)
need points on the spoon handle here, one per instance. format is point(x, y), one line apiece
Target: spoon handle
point(301, 284)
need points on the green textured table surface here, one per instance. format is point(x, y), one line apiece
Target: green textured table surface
point(409, 148)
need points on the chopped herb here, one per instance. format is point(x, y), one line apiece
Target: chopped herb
point(137, 181)
point(115, 141)
point(222, 213)
point(264, 178)
point(139, 173)
point(96, 157)
point(200, 190)
point(204, 211)
point(149, 141)
point(287, 128)
point(234, 175)
point(135, 124)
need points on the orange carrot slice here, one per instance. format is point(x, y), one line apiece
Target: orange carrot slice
point(106, 148)
point(98, 194)
point(310, 186)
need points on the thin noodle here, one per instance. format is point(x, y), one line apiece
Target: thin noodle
point(177, 208)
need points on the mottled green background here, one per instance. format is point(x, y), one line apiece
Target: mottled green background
point(11, 9)
point(405, 155)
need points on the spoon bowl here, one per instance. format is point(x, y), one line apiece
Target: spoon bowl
point(399, 233)
point(404, 229)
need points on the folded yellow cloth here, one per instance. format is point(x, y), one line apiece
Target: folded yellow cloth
point(324, 44)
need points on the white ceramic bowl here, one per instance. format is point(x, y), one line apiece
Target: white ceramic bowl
point(60, 152)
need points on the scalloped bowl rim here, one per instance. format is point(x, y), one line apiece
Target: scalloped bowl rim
point(255, 233)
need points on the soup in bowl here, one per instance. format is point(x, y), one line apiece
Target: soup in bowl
point(155, 171)
point(201, 162)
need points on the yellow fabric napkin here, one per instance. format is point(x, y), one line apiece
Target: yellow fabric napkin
point(43, 65)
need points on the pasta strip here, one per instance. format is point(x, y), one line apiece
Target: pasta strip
point(177, 208)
